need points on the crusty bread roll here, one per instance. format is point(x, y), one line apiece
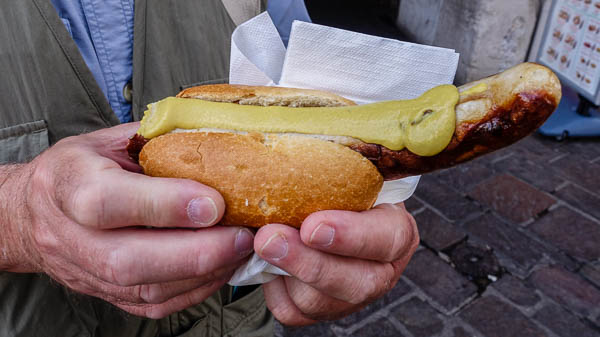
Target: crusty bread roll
point(267, 178)
point(282, 178)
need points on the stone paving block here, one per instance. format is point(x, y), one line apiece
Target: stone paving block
point(512, 198)
point(478, 263)
point(592, 273)
point(587, 149)
point(571, 232)
point(380, 328)
point(563, 323)
point(319, 329)
point(451, 203)
point(579, 171)
point(531, 172)
point(567, 289)
point(516, 291)
point(538, 149)
point(439, 280)
point(436, 232)
point(412, 204)
point(460, 332)
point(465, 176)
point(519, 252)
point(402, 288)
point(492, 157)
point(418, 317)
point(495, 318)
point(581, 199)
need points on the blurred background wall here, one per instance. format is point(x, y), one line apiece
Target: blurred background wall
point(490, 35)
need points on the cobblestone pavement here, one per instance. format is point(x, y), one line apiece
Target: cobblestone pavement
point(510, 246)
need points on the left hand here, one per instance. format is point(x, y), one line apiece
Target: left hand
point(340, 261)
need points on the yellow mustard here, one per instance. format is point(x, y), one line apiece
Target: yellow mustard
point(476, 89)
point(424, 125)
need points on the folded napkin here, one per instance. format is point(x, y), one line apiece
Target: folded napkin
point(360, 67)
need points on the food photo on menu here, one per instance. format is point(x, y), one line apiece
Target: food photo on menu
point(299, 168)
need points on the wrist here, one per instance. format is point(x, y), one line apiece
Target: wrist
point(15, 219)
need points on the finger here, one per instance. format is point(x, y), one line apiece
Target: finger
point(112, 143)
point(121, 131)
point(181, 302)
point(385, 233)
point(134, 256)
point(347, 279)
point(108, 143)
point(317, 305)
point(80, 280)
point(281, 305)
point(112, 198)
point(157, 293)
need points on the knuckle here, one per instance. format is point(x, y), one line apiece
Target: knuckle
point(285, 314)
point(156, 311)
point(368, 287)
point(311, 273)
point(44, 239)
point(404, 240)
point(118, 269)
point(87, 204)
point(309, 306)
point(149, 293)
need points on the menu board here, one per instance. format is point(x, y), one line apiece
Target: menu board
point(571, 45)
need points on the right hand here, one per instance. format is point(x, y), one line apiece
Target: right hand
point(86, 227)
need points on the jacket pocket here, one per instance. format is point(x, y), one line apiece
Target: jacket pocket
point(21, 143)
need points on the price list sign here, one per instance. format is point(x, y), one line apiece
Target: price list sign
point(571, 44)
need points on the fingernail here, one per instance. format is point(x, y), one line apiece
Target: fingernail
point(202, 211)
point(322, 236)
point(276, 248)
point(244, 242)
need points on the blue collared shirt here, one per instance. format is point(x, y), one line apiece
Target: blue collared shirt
point(103, 31)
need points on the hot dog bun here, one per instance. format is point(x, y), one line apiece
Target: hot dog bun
point(282, 178)
point(267, 178)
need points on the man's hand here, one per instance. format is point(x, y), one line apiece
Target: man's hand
point(81, 214)
point(339, 261)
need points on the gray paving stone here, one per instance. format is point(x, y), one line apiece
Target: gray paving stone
point(516, 291)
point(581, 199)
point(418, 317)
point(380, 328)
point(465, 176)
point(571, 232)
point(476, 262)
point(320, 329)
point(436, 232)
point(402, 288)
point(563, 323)
point(495, 318)
point(585, 148)
point(531, 172)
point(512, 198)
point(592, 273)
point(439, 280)
point(452, 204)
point(461, 332)
point(567, 289)
point(521, 252)
point(538, 149)
point(412, 204)
point(578, 170)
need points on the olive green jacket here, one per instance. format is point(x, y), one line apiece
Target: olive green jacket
point(48, 93)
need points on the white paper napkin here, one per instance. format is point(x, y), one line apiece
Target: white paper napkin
point(361, 67)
